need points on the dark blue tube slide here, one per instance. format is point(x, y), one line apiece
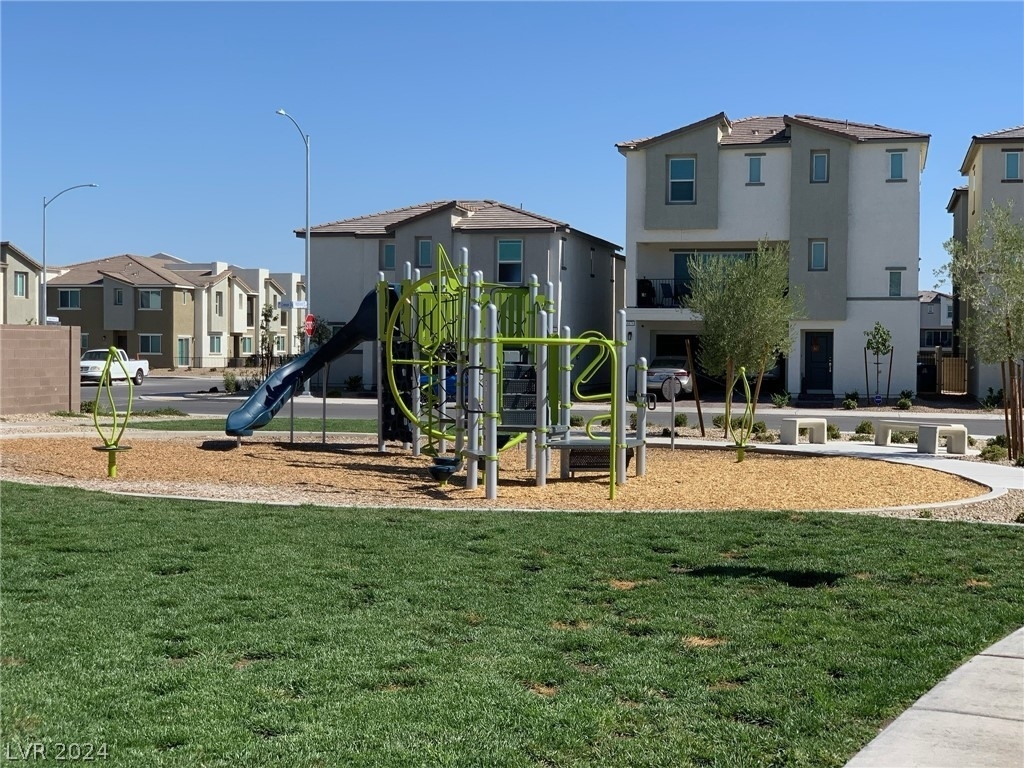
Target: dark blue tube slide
point(284, 382)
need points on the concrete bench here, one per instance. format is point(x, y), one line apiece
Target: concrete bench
point(928, 435)
point(817, 430)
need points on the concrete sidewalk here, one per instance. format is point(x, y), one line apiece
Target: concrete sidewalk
point(972, 719)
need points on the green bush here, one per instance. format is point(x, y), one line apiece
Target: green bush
point(632, 421)
point(850, 404)
point(1020, 461)
point(992, 399)
point(833, 432)
point(999, 440)
point(971, 441)
point(993, 452)
point(230, 382)
point(905, 436)
point(860, 438)
point(575, 420)
point(354, 383)
point(853, 395)
point(781, 399)
point(681, 420)
point(758, 427)
point(904, 403)
point(906, 394)
point(865, 428)
point(87, 406)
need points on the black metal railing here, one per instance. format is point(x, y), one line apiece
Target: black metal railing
point(661, 291)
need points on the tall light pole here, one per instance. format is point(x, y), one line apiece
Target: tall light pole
point(309, 304)
point(43, 308)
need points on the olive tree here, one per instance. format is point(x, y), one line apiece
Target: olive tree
point(746, 305)
point(987, 273)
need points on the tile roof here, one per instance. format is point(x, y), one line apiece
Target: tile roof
point(474, 215)
point(927, 297)
point(856, 131)
point(129, 269)
point(502, 216)
point(757, 130)
point(772, 130)
point(1017, 132)
point(379, 224)
point(641, 143)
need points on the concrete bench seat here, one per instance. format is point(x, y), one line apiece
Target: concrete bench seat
point(817, 430)
point(928, 434)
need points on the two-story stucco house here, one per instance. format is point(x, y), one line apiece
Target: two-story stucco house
point(127, 301)
point(506, 243)
point(844, 195)
point(19, 297)
point(936, 320)
point(169, 311)
point(994, 167)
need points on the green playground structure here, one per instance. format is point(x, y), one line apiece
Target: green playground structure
point(477, 368)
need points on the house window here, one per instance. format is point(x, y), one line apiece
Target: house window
point(936, 338)
point(682, 179)
point(184, 298)
point(247, 345)
point(895, 283)
point(819, 167)
point(69, 298)
point(754, 169)
point(85, 341)
point(118, 297)
point(896, 165)
point(1012, 166)
point(279, 343)
point(423, 249)
point(21, 284)
point(218, 303)
point(214, 343)
point(284, 319)
point(949, 311)
point(150, 343)
point(510, 261)
point(818, 259)
point(241, 302)
point(149, 299)
point(387, 256)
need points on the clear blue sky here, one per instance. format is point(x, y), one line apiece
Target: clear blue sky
point(169, 107)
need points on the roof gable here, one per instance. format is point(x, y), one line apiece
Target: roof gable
point(1006, 135)
point(626, 146)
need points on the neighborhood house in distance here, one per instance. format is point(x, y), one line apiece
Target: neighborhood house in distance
point(506, 243)
point(173, 313)
point(845, 195)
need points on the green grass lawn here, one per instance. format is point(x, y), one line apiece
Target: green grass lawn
point(184, 633)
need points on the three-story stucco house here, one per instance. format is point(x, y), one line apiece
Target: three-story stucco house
point(994, 167)
point(506, 243)
point(844, 195)
point(21, 276)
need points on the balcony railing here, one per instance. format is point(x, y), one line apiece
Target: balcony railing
point(661, 292)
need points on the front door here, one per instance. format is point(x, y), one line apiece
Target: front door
point(818, 362)
point(183, 353)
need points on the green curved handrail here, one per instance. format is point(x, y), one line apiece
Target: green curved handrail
point(111, 442)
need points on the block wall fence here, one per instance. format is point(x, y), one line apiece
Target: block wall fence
point(39, 370)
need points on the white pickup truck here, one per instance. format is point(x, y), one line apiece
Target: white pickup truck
point(93, 361)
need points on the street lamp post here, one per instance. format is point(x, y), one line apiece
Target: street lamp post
point(309, 303)
point(44, 309)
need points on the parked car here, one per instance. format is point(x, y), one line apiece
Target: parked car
point(660, 374)
point(93, 360)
